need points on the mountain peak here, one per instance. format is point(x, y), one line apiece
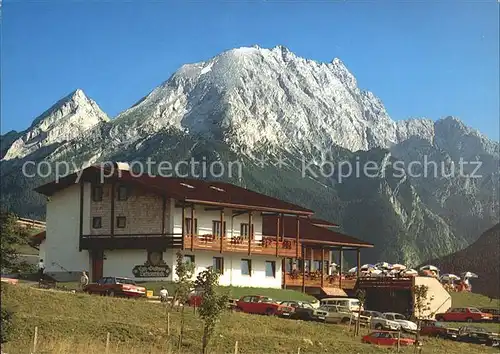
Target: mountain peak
point(65, 120)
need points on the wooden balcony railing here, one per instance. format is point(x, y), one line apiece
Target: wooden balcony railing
point(314, 280)
point(267, 245)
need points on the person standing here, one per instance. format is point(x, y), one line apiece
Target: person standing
point(84, 280)
point(41, 269)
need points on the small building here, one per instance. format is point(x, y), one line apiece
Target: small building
point(132, 226)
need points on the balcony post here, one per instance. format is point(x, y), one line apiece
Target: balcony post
point(322, 266)
point(303, 269)
point(222, 230)
point(183, 223)
point(82, 190)
point(163, 214)
point(192, 227)
point(113, 190)
point(250, 233)
point(277, 233)
point(341, 261)
point(297, 230)
point(282, 225)
point(283, 271)
point(358, 260)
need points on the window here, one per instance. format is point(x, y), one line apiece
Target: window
point(97, 193)
point(270, 269)
point(218, 264)
point(288, 265)
point(216, 231)
point(121, 221)
point(244, 232)
point(246, 267)
point(187, 226)
point(247, 299)
point(122, 193)
point(96, 222)
point(188, 258)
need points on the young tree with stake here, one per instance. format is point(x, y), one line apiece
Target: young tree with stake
point(212, 304)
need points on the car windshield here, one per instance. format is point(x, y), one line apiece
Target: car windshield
point(378, 314)
point(397, 316)
point(124, 281)
point(439, 324)
point(307, 305)
point(266, 299)
point(325, 308)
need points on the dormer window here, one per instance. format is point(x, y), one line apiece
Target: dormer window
point(217, 189)
point(187, 185)
point(122, 193)
point(97, 193)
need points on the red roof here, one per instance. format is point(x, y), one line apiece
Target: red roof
point(310, 233)
point(184, 189)
point(321, 222)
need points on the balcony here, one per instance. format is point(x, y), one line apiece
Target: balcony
point(133, 241)
point(266, 246)
point(317, 280)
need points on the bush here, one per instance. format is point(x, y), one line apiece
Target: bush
point(6, 325)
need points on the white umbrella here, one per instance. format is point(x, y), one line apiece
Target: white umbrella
point(376, 271)
point(398, 266)
point(469, 275)
point(334, 265)
point(449, 277)
point(430, 267)
point(410, 272)
point(353, 270)
point(367, 266)
point(383, 265)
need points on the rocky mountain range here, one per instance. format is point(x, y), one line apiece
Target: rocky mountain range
point(297, 126)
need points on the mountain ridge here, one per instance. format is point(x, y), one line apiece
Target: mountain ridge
point(248, 103)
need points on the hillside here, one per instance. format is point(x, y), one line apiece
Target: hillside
point(481, 258)
point(255, 106)
point(79, 323)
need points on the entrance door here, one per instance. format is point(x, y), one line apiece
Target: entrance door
point(97, 264)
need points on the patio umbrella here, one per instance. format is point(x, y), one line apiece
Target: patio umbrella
point(375, 271)
point(410, 272)
point(398, 266)
point(367, 266)
point(353, 270)
point(469, 275)
point(430, 267)
point(384, 265)
point(449, 277)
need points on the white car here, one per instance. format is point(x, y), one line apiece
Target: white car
point(379, 321)
point(406, 325)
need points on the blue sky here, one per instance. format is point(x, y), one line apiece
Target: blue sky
point(428, 59)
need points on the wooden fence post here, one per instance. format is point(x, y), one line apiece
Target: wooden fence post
point(168, 323)
point(107, 343)
point(399, 340)
point(236, 347)
point(35, 340)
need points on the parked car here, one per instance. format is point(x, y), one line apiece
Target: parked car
point(386, 338)
point(495, 312)
point(477, 335)
point(406, 325)
point(464, 314)
point(337, 314)
point(433, 328)
point(116, 286)
point(304, 311)
point(350, 303)
point(379, 321)
point(262, 305)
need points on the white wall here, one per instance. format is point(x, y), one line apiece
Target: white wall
point(63, 232)
point(439, 300)
point(232, 269)
point(205, 218)
point(119, 263)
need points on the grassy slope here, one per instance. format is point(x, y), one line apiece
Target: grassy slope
point(65, 318)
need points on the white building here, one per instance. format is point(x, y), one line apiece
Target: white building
point(133, 226)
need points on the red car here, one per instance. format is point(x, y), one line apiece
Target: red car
point(194, 298)
point(386, 338)
point(262, 305)
point(436, 329)
point(464, 314)
point(115, 286)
